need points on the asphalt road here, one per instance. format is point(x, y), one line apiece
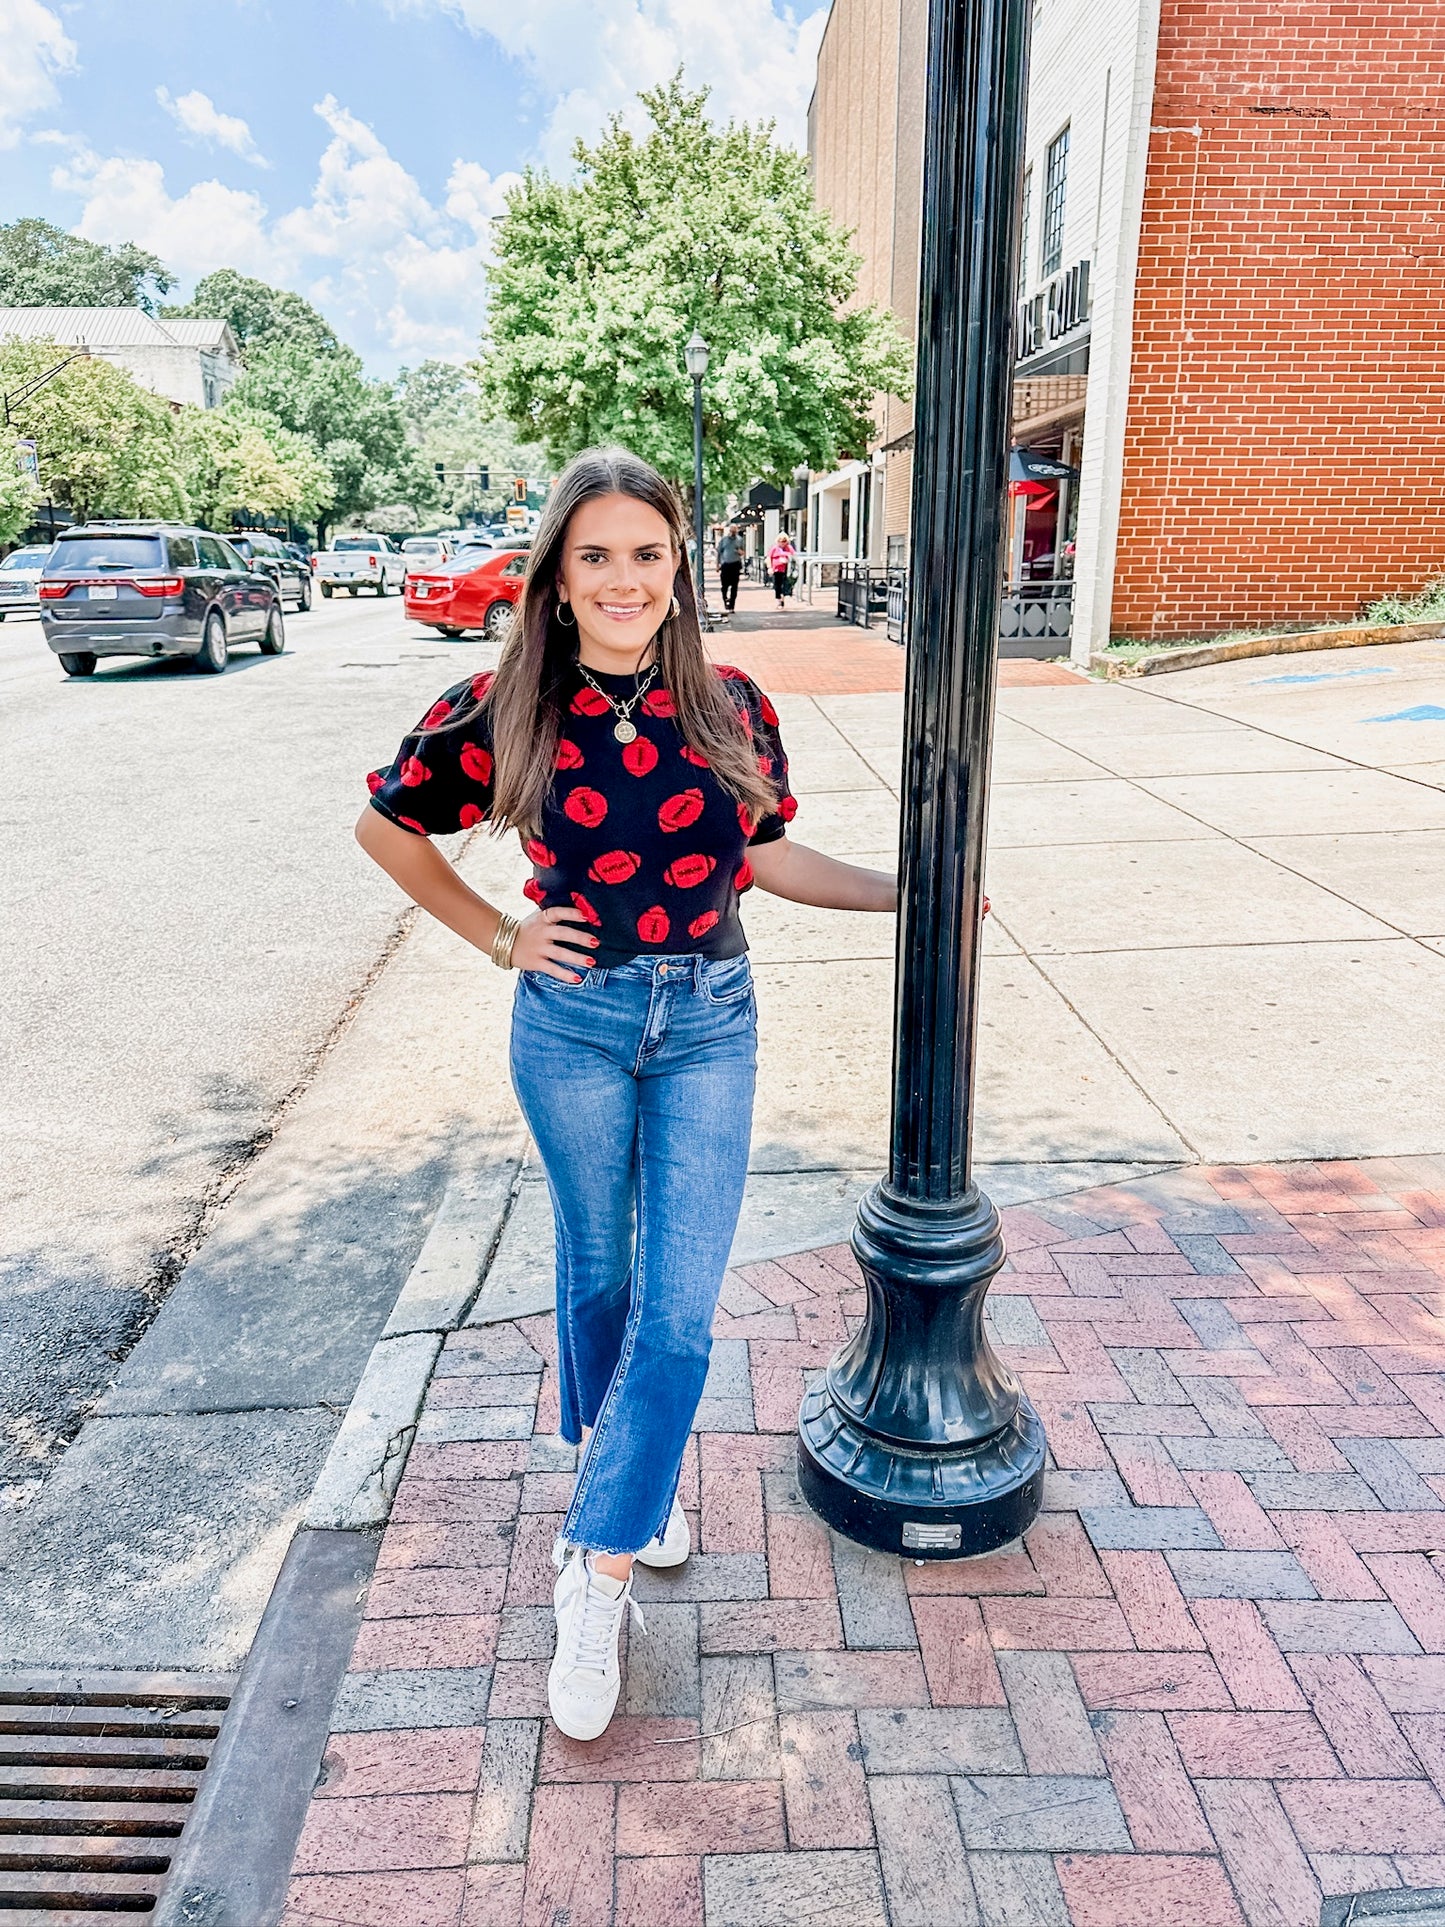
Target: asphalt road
point(184, 919)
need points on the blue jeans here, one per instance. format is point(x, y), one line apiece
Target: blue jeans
point(637, 1085)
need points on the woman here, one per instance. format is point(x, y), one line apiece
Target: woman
point(781, 557)
point(650, 789)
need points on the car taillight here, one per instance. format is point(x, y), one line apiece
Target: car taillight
point(162, 586)
point(313, 565)
point(54, 591)
point(371, 562)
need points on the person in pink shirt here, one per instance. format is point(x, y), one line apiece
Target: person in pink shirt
point(781, 557)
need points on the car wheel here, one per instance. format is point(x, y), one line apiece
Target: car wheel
point(82, 664)
point(383, 588)
point(215, 650)
point(274, 640)
point(303, 601)
point(326, 590)
point(497, 620)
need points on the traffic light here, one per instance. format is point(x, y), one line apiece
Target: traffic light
point(441, 469)
point(484, 478)
point(519, 488)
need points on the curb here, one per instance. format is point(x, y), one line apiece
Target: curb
point(1359, 636)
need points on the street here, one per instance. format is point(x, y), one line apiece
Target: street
point(184, 920)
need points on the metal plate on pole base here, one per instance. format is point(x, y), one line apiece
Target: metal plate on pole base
point(921, 1505)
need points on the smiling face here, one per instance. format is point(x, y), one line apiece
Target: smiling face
point(616, 575)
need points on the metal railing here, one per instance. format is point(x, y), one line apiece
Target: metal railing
point(1031, 614)
point(1034, 612)
point(864, 592)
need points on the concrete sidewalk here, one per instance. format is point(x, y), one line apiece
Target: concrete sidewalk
point(1208, 1688)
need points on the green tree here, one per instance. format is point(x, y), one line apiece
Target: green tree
point(598, 283)
point(234, 460)
point(18, 494)
point(447, 424)
point(259, 314)
point(44, 267)
point(105, 444)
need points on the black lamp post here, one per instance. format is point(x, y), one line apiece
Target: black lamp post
point(695, 354)
point(920, 1441)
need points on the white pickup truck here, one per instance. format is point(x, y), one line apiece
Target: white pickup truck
point(360, 562)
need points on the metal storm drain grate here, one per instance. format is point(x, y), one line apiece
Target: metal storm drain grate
point(97, 1777)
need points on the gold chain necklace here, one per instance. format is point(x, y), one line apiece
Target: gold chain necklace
point(624, 729)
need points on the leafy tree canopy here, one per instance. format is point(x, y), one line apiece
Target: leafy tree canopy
point(42, 266)
point(598, 283)
point(259, 314)
point(447, 424)
point(17, 498)
point(105, 444)
point(234, 459)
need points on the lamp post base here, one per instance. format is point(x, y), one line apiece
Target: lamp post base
point(920, 1441)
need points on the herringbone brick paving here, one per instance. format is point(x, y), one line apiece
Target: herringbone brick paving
point(1206, 1690)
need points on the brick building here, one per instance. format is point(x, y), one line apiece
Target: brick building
point(1229, 321)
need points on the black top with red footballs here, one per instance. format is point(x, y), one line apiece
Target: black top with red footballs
point(640, 837)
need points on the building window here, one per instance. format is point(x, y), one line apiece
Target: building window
point(1056, 180)
point(1024, 230)
point(845, 522)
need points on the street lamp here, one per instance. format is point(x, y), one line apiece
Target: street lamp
point(28, 388)
point(920, 1441)
point(695, 354)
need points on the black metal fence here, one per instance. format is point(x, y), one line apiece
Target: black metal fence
point(1035, 618)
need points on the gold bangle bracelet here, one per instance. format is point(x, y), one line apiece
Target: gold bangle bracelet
point(502, 943)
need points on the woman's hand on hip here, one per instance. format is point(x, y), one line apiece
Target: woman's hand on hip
point(549, 942)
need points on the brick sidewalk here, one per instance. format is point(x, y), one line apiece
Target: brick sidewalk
point(1208, 1688)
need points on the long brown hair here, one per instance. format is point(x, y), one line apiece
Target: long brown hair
point(524, 699)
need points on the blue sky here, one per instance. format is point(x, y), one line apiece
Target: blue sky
point(355, 150)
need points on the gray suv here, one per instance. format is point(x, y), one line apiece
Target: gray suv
point(154, 589)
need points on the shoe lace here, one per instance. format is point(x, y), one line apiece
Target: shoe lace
point(594, 1627)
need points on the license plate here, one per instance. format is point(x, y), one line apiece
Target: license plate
point(420, 589)
point(101, 592)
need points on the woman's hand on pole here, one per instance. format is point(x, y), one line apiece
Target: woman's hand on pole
point(548, 942)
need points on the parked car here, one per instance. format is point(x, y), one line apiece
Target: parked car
point(470, 593)
point(19, 580)
point(359, 562)
point(154, 589)
point(263, 551)
point(426, 551)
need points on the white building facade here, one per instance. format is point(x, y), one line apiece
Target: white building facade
point(191, 362)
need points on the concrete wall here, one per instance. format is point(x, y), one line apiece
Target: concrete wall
point(180, 374)
point(1286, 416)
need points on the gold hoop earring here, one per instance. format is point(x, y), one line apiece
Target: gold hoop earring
point(676, 609)
point(565, 624)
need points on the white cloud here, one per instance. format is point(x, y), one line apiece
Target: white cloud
point(588, 58)
point(34, 50)
point(399, 276)
point(198, 115)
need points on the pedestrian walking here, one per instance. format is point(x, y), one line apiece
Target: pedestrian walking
point(781, 557)
point(650, 790)
point(729, 567)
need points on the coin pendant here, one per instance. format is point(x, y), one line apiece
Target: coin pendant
point(624, 731)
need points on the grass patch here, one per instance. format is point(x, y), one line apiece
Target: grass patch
point(1426, 605)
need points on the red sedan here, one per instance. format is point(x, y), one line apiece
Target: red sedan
point(468, 593)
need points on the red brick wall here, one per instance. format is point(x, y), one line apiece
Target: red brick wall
point(1285, 444)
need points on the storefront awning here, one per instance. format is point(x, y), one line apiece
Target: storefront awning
point(1027, 465)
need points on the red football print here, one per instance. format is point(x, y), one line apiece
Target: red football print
point(744, 878)
point(411, 823)
point(770, 715)
point(476, 762)
point(681, 810)
point(568, 755)
point(654, 924)
point(658, 702)
point(544, 858)
point(414, 773)
point(639, 757)
point(615, 867)
point(694, 756)
point(688, 871)
point(589, 702)
point(727, 672)
point(765, 764)
point(700, 926)
point(745, 819)
point(481, 684)
point(533, 891)
point(437, 714)
point(587, 807)
point(787, 808)
point(376, 780)
point(586, 908)
point(471, 816)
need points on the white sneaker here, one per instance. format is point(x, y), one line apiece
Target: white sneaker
point(584, 1679)
point(672, 1544)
